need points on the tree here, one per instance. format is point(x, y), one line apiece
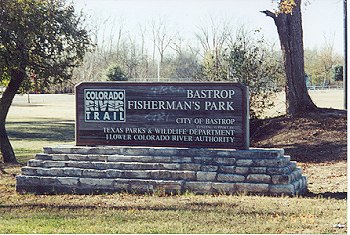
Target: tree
point(251, 63)
point(338, 73)
point(289, 27)
point(43, 37)
point(213, 38)
point(161, 38)
point(115, 73)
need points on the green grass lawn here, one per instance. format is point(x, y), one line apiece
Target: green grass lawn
point(33, 126)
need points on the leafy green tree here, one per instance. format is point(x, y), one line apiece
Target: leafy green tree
point(43, 37)
point(338, 73)
point(115, 73)
point(253, 65)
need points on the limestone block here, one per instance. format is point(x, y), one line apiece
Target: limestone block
point(68, 181)
point(278, 170)
point(35, 163)
point(209, 168)
point(230, 178)
point(136, 151)
point(47, 150)
point(267, 153)
point(203, 160)
point(141, 186)
point(225, 160)
point(286, 189)
point(169, 186)
point(50, 171)
point(114, 165)
point(136, 174)
point(224, 188)
point(42, 156)
point(180, 159)
point(79, 164)
point(278, 162)
point(94, 182)
point(123, 158)
point(197, 152)
point(102, 165)
point(244, 162)
point(304, 181)
point(121, 185)
point(252, 187)
point(85, 151)
point(97, 158)
point(257, 170)
point(227, 169)
point(137, 166)
point(47, 180)
point(190, 166)
point(164, 151)
point(27, 170)
point(206, 176)
point(70, 171)
point(54, 164)
point(35, 180)
point(253, 153)
point(225, 153)
point(59, 157)
point(160, 174)
point(296, 174)
point(281, 179)
point(258, 178)
point(168, 166)
point(112, 173)
point(198, 187)
point(242, 170)
point(92, 173)
point(166, 159)
point(104, 150)
point(116, 158)
point(183, 175)
point(77, 157)
point(297, 184)
point(141, 159)
point(292, 165)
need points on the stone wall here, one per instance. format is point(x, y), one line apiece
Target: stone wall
point(86, 170)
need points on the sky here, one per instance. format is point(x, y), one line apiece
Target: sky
point(322, 19)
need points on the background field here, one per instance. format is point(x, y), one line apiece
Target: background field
point(49, 120)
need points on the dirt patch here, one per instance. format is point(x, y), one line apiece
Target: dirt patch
point(317, 141)
point(314, 137)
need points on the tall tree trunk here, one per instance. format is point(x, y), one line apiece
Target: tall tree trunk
point(17, 76)
point(289, 28)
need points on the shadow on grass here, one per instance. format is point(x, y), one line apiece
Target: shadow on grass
point(326, 151)
point(332, 195)
point(43, 130)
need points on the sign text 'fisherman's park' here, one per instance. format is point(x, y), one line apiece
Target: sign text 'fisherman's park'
point(188, 115)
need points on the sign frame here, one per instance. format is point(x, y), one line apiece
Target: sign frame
point(104, 87)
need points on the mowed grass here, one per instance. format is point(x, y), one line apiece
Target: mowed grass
point(124, 213)
point(49, 120)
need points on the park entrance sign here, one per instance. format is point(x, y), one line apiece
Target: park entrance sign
point(186, 115)
point(161, 137)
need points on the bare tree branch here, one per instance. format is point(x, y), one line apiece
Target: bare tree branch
point(269, 13)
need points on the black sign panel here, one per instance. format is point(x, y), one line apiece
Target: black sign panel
point(211, 115)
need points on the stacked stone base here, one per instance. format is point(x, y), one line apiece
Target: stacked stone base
point(96, 170)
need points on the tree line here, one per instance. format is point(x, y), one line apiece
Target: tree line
point(46, 46)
